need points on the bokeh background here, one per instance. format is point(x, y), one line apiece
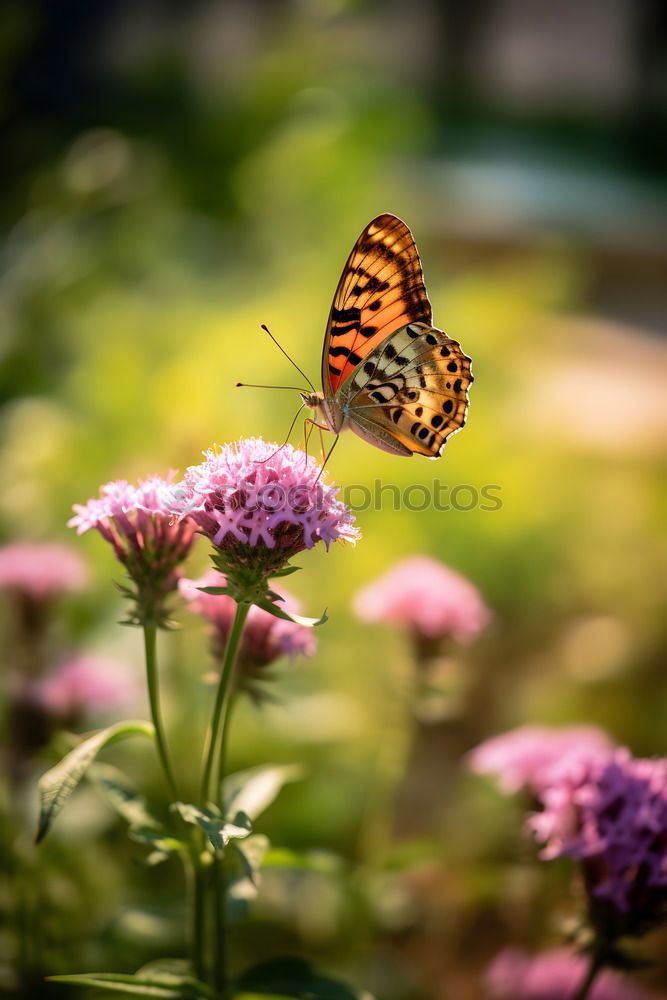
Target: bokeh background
point(173, 175)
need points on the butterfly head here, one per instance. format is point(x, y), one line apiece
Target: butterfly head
point(326, 410)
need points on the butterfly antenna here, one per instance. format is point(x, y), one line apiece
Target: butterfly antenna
point(249, 385)
point(266, 330)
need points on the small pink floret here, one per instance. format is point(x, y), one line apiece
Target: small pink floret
point(85, 685)
point(41, 570)
point(265, 637)
point(524, 757)
point(552, 975)
point(427, 597)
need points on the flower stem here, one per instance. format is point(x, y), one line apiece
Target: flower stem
point(212, 737)
point(150, 633)
point(216, 738)
point(195, 875)
point(596, 965)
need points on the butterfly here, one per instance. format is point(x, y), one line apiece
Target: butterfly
point(388, 374)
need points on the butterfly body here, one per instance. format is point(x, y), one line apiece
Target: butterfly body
point(388, 374)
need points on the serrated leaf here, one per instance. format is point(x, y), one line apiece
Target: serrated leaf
point(58, 783)
point(156, 988)
point(253, 790)
point(296, 978)
point(218, 830)
point(278, 612)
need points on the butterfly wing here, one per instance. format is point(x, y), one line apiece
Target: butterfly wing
point(380, 290)
point(411, 393)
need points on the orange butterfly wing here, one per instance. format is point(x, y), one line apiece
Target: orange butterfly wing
point(380, 290)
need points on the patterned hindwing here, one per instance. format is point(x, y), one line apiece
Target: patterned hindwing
point(381, 289)
point(412, 390)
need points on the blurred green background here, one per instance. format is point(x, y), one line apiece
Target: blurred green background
point(176, 174)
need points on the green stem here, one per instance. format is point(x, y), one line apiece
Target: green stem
point(212, 736)
point(150, 633)
point(596, 965)
point(224, 735)
point(220, 913)
point(220, 970)
point(196, 890)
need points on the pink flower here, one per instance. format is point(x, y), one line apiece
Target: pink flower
point(427, 597)
point(41, 570)
point(84, 685)
point(146, 537)
point(260, 505)
point(524, 757)
point(611, 814)
point(265, 638)
point(552, 975)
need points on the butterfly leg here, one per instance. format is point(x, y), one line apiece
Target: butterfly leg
point(328, 456)
point(308, 424)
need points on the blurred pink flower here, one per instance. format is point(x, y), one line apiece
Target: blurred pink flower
point(148, 539)
point(85, 685)
point(427, 597)
point(265, 638)
point(260, 505)
point(610, 813)
point(553, 975)
point(41, 570)
point(524, 757)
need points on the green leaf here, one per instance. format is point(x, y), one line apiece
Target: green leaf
point(159, 839)
point(285, 571)
point(218, 830)
point(249, 854)
point(157, 986)
point(278, 612)
point(58, 783)
point(296, 978)
point(215, 591)
point(253, 790)
point(121, 795)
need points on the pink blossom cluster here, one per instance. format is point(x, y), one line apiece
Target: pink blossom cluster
point(598, 804)
point(265, 638)
point(41, 570)
point(611, 814)
point(253, 495)
point(136, 520)
point(427, 597)
point(146, 537)
point(553, 975)
point(84, 685)
point(524, 757)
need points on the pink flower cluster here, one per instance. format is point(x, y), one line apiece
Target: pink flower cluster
point(611, 814)
point(41, 570)
point(262, 504)
point(598, 804)
point(136, 520)
point(84, 685)
point(265, 638)
point(552, 975)
point(146, 537)
point(428, 598)
point(525, 757)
